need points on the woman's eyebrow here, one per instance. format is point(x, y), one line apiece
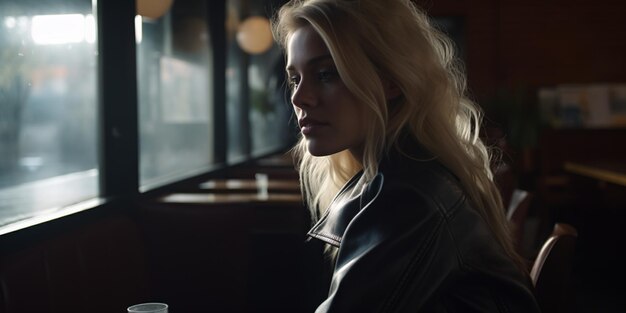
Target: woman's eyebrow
point(312, 61)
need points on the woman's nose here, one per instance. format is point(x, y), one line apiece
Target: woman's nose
point(303, 95)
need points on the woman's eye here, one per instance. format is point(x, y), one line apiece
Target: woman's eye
point(326, 75)
point(293, 82)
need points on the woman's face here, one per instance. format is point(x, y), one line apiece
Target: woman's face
point(329, 115)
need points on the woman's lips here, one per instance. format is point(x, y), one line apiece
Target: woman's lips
point(309, 126)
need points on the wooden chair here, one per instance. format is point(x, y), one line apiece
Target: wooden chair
point(517, 213)
point(552, 269)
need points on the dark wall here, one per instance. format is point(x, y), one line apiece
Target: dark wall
point(537, 42)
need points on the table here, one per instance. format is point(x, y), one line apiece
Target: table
point(611, 172)
point(251, 185)
point(216, 198)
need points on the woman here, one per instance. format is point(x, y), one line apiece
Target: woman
point(391, 162)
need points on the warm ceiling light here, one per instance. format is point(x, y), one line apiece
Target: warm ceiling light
point(254, 35)
point(153, 9)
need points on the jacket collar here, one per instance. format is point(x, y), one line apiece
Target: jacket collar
point(357, 194)
point(342, 209)
point(351, 199)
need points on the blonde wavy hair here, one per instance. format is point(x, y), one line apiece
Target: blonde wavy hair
point(372, 40)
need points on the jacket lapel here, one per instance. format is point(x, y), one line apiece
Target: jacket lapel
point(347, 204)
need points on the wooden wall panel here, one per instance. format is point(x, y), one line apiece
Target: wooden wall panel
point(536, 43)
point(554, 42)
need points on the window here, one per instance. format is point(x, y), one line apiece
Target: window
point(48, 104)
point(258, 109)
point(175, 96)
point(236, 101)
point(269, 110)
point(74, 127)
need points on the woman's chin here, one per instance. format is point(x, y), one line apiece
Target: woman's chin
point(318, 150)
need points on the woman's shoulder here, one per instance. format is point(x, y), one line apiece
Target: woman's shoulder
point(422, 181)
point(396, 202)
point(422, 218)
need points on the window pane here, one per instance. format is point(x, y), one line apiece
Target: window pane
point(269, 111)
point(257, 105)
point(175, 97)
point(48, 140)
point(236, 113)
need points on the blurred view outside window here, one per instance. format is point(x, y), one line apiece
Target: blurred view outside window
point(269, 110)
point(48, 138)
point(258, 106)
point(236, 121)
point(175, 96)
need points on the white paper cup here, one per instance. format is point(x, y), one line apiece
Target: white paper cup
point(152, 307)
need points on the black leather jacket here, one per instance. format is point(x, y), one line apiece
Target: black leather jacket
point(409, 241)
